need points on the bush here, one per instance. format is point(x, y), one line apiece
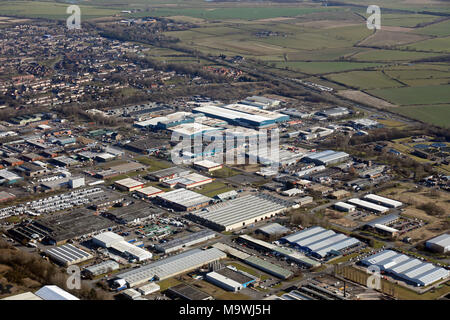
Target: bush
point(432, 209)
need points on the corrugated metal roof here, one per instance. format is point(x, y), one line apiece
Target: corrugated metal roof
point(443, 240)
point(407, 268)
point(171, 266)
point(52, 292)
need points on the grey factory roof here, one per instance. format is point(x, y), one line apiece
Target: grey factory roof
point(320, 241)
point(184, 197)
point(68, 254)
point(172, 266)
point(407, 268)
point(384, 220)
point(326, 156)
point(283, 251)
point(103, 267)
point(168, 172)
point(443, 240)
point(188, 292)
point(188, 240)
point(268, 267)
point(231, 251)
point(243, 208)
point(273, 228)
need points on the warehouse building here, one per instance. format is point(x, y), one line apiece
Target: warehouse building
point(241, 211)
point(101, 268)
point(183, 200)
point(113, 241)
point(52, 292)
point(186, 241)
point(383, 201)
point(185, 292)
point(384, 220)
point(326, 157)
point(386, 230)
point(149, 288)
point(411, 270)
point(131, 294)
point(243, 115)
point(188, 181)
point(68, 254)
point(148, 192)
point(439, 244)
point(345, 207)
point(272, 229)
point(207, 165)
point(192, 130)
point(229, 279)
point(169, 173)
point(148, 146)
point(288, 253)
point(368, 205)
point(23, 297)
point(129, 184)
point(8, 177)
point(268, 267)
point(320, 242)
point(171, 266)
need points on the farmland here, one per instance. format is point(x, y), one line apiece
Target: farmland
point(403, 64)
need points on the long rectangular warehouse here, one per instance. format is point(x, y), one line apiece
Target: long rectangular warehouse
point(368, 205)
point(183, 199)
point(68, 254)
point(268, 267)
point(172, 266)
point(242, 115)
point(114, 241)
point(240, 212)
point(411, 270)
point(189, 240)
point(383, 201)
point(282, 251)
point(320, 242)
point(440, 243)
point(326, 157)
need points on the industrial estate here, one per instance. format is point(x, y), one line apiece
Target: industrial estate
point(113, 170)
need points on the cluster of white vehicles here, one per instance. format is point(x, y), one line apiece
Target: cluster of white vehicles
point(51, 204)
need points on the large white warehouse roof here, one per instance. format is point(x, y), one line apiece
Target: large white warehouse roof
point(172, 266)
point(410, 269)
point(383, 201)
point(52, 292)
point(368, 205)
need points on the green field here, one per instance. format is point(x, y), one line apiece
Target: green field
point(325, 67)
point(435, 114)
point(329, 45)
point(50, 10)
point(414, 95)
point(434, 45)
point(392, 55)
point(364, 79)
point(241, 13)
